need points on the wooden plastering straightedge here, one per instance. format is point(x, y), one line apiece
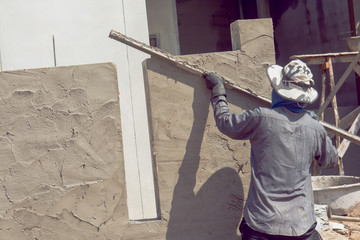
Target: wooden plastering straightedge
point(156, 52)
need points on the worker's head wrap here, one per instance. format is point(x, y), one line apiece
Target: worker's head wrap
point(293, 82)
point(278, 101)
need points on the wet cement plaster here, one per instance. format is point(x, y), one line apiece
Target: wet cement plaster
point(61, 168)
point(61, 163)
point(202, 175)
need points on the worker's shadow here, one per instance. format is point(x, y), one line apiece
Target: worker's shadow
point(215, 210)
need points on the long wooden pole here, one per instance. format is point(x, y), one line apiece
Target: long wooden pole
point(156, 52)
point(336, 113)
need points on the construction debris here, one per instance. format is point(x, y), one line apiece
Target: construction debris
point(335, 228)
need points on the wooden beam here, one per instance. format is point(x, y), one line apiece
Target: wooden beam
point(195, 69)
point(340, 132)
point(323, 89)
point(186, 66)
point(346, 121)
point(357, 69)
point(345, 218)
point(336, 112)
point(319, 59)
point(340, 83)
point(333, 101)
point(346, 143)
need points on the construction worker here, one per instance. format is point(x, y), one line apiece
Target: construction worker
point(284, 140)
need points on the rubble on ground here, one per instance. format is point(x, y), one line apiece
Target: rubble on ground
point(337, 230)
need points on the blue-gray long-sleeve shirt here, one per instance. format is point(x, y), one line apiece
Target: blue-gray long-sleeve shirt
point(283, 144)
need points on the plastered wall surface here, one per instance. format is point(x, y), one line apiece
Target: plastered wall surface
point(203, 176)
point(61, 168)
point(62, 171)
point(249, 72)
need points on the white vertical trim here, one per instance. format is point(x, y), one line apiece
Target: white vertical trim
point(136, 140)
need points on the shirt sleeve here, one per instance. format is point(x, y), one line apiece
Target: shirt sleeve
point(327, 156)
point(236, 126)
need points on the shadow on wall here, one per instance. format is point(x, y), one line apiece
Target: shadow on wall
point(180, 110)
point(201, 172)
point(215, 210)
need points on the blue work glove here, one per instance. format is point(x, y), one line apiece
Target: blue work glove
point(215, 83)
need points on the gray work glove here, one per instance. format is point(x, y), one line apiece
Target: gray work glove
point(215, 83)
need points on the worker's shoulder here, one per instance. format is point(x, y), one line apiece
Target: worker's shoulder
point(264, 111)
point(283, 114)
point(315, 124)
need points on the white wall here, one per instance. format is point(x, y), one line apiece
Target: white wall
point(81, 29)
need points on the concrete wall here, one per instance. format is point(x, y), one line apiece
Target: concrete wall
point(162, 20)
point(63, 169)
point(203, 176)
point(81, 29)
point(314, 27)
point(204, 25)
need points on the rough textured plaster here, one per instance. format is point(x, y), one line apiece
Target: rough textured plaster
point(203, 176)
point(61, 168)
point(248, 71)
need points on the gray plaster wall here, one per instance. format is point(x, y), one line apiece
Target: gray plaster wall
point(202, 175)
point(62, 167)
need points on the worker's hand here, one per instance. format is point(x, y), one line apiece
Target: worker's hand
point(215, 83)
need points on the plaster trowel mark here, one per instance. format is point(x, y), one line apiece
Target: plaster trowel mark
point(10, 134)
point(84, 221)
point(6, 194)
point(73, 133)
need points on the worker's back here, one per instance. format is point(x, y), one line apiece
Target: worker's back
point(283, 146)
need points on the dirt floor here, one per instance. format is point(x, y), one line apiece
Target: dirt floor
point(351, 231)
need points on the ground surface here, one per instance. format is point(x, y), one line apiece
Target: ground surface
point(351, 231)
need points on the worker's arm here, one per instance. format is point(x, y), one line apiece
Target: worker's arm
point(215, 83)
point(236, 126)
point(327, 155)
